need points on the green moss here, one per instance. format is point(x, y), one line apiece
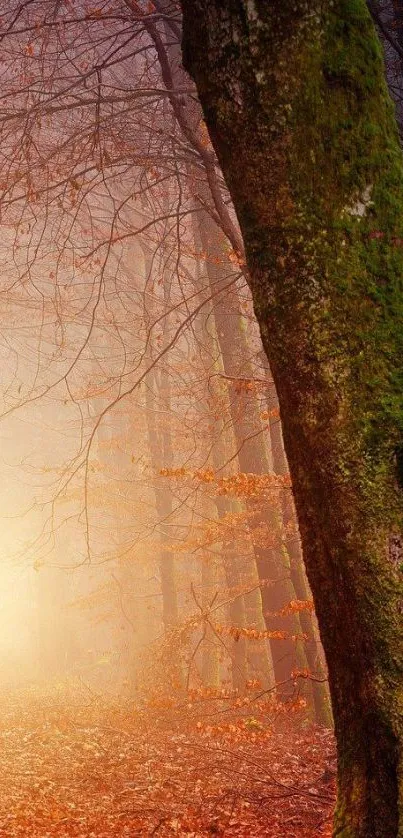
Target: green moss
point(356, 262)
point(331, 286)
point(308, 142)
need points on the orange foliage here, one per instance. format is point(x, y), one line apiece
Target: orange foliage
point(241, 484)
point(256, 634)
point(78, 767)
point(295, 606)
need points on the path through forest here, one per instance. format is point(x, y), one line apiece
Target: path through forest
point(96, 770)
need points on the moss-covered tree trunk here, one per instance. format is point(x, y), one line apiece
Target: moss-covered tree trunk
point(294, 96)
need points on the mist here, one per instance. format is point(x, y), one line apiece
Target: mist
point(200, 419)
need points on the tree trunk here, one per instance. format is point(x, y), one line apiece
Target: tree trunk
point(236, 567)
point(162, 456)
point(313, 648)
point(297, 107)
point(210, 663)
point(253, 455)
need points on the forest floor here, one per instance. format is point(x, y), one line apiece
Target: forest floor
point(98, 770)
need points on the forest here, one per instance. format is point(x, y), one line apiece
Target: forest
point(201, 405)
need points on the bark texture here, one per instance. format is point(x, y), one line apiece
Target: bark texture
point(294, 96)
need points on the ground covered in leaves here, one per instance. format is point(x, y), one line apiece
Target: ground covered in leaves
point(78, 766)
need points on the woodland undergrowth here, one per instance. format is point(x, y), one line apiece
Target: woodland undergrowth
point(73, 763)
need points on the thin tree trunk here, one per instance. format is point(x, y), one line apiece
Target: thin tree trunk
point(313, 647)
point(210, 651)
point(238, 570)
point(161, 456)
point(272, 562)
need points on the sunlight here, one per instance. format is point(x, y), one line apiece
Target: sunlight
point(201, 418)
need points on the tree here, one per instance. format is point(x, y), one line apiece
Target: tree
point(297, 108)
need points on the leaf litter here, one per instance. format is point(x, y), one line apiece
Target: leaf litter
point(76, 765)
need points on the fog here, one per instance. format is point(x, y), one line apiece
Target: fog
point(154, 603)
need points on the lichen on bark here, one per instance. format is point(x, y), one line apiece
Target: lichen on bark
point(296, 103)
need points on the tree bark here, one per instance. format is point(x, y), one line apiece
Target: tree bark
point(272, 561)
point(296, 104)
point(236, 567)
point(162, 455)
point(313, 648)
